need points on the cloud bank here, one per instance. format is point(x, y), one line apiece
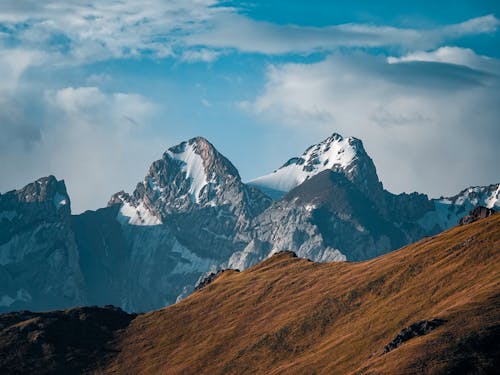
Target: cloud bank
point(96, 141)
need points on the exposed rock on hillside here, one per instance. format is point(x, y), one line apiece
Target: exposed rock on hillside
point(477, 213)
point(420, 328)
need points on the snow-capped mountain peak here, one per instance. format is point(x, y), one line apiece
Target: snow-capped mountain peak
point(192, 174)
point(335, 153)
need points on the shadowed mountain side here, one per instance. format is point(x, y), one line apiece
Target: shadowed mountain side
point(58, 342)
point(288, 315)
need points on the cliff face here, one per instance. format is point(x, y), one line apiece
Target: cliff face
point(39, 258)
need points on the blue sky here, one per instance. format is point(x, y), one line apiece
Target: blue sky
point(94, 91)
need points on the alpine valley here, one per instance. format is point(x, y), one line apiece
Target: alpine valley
point(193, 215)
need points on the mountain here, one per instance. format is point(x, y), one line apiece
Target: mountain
point(333, 207)
point(192, 215)
point(431, 307)
point(199, 194)
point(39, 258)
point(336, 153)
point(185, 218)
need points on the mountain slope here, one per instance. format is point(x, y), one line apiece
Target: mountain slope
point(288, 315)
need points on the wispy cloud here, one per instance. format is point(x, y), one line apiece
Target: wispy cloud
point(451, 55)
point(84, 31)
point(230, 30)
point(200, 55)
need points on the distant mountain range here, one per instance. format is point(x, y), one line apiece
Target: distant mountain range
point(192, 214)
point(429, 308)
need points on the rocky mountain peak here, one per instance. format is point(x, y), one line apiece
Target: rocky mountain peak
point(336, 153)
point(47, 194)
point(192, 174)
point(480, 212)
point(200, 159)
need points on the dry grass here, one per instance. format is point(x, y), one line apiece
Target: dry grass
point(291, 316)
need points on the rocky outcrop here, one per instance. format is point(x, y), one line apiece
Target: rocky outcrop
point(420, 328)
point(476, 214)
point(57, 342)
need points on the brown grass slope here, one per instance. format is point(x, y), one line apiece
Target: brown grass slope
point(292, 316)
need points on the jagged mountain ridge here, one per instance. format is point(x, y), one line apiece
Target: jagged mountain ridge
point(192, 214)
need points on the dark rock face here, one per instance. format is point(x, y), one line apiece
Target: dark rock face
point(58, 342)
point(420, 328)
point(476, 214)
point(104, 255)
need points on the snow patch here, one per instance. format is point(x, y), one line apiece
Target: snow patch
point(140, 215)
point(448, 211)
point(192, 166)
point(60, 200)
point(493, 201)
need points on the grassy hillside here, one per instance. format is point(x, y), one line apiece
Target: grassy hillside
point(292, 316)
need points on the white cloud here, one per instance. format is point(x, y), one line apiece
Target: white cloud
point(430, 127)
point(478, 25)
